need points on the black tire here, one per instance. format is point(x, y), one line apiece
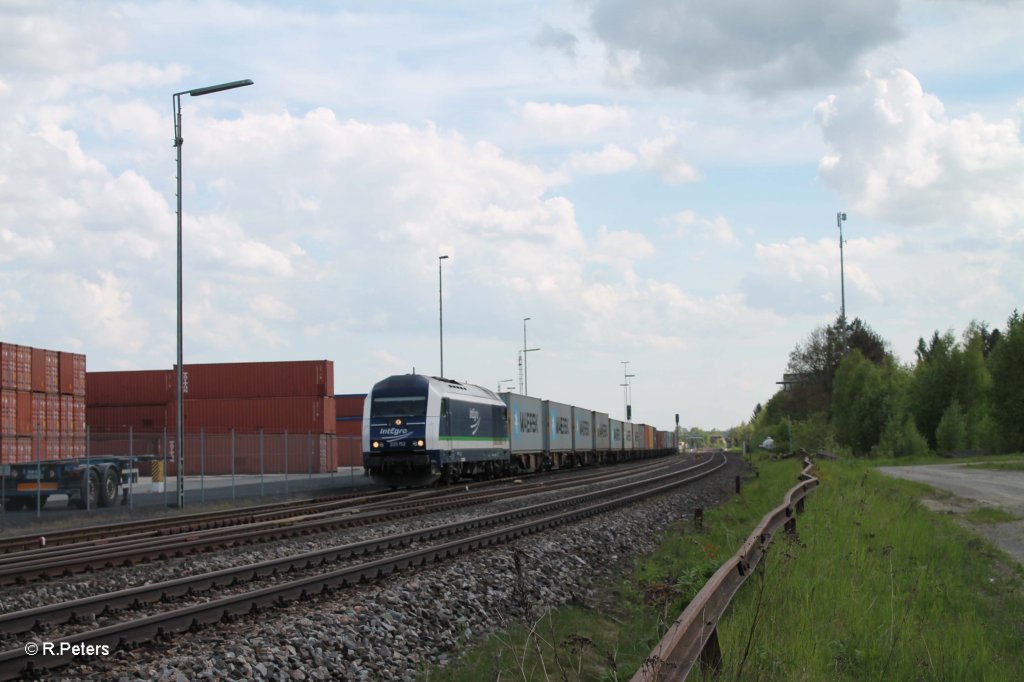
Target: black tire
point(90, 490)
point(109, 487)
point(13, 504)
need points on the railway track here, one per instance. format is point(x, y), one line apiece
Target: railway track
point(416, 548)
point(256, 526)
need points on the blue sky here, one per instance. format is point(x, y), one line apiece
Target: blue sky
point(649, 181)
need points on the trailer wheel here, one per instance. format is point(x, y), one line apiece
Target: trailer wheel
point(90, 491)
point(108, 489)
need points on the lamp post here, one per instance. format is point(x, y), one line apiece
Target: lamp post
point(178, 141)
point(504, 381)
point(440, 310)
point(526, 385)
point(840, 218)
point(625, 388)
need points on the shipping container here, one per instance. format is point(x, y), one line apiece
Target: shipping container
point(258, 380)
point(118, 418)
point(38, 379)
point(348, 426)
point(70, 373)
point(8, 369)
point(24, 367)
point(558, 426)
point(582, 429)
point(8, 412)
point(298, 414)
point(53, 412)
point(526, 422)
point(140, 387)
point(349, 405)
point(616, 433)
point(39, 424)
point(602, 434)
point(222, 454)
point(23, 426)
point(627, 436)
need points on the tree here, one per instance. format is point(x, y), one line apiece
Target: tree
point(1006, 363)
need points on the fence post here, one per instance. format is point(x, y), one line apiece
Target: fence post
point(202, 465)
point(39, 477)
point(232, 464)
point(166, 470)
point(131, 466)
point(261, 463)
point(286, 461)
point(309, 454)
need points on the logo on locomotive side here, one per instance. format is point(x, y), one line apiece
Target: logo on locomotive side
point(474, 418)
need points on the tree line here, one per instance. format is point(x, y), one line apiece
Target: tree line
point(845, 391)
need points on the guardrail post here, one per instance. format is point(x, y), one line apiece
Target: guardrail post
point(790, 526)
point(737, 485)
point(711, 654)
point(698, 518)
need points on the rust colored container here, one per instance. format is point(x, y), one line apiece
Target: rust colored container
point(349, 405)
point(39, 413)
point(24, 407)
point(38, 380)
point(258, 380)
point(142, 387)
point(78, 380)
point(23, 355)
point(348, 451)
point(8, 412)
point(349, 426)
point(66, 372)
point(8, 449)
point(219, 455)
point(250, 415)
point(114, 418)
point(53, 413)
point(8, 368)
point(78, 416)
point(67, 415)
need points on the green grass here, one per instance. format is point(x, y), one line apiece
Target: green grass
point(999, 466)
point(877, 588)
point(982, 515)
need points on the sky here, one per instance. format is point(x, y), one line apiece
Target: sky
point(649, 181)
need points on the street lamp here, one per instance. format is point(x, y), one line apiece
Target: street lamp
point(526, 386)
point(178, 141)
point(625, 390)
point(440, 310)
point(840, 218)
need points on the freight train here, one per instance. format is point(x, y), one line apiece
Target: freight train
point(419, 430)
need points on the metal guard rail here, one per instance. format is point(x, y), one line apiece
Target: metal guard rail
point(693, 636)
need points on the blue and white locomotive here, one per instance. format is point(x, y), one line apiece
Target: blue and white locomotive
point(418, 429)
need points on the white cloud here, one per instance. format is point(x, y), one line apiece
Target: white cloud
point(610, 159)
point(760, 48)
point(897, 156)
point(664, 156)
point(579, 121)
point(717, 229)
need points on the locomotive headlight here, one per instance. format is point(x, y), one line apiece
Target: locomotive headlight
point(419, 443)
point(398, 422)
point(375, 445)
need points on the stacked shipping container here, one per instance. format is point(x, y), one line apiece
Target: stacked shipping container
point(230, 404)
point(348, 429)
point(42, 404)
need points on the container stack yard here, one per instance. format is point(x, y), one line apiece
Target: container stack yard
point(240, 418)
point(42, 404)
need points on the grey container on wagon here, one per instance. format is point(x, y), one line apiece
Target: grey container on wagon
point(526, 423)
point(558, 427)
point(582, 430)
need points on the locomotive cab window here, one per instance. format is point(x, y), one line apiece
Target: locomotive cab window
point(401, 406)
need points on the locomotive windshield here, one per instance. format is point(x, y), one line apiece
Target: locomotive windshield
point(399, 406)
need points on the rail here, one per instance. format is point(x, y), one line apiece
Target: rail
point(693, 636)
